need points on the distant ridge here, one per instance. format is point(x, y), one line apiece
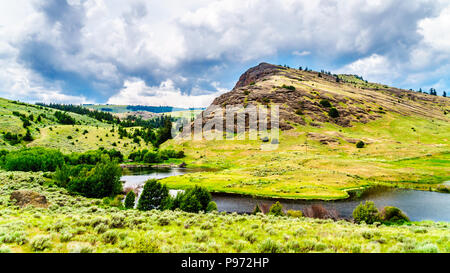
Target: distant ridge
point(137, 108)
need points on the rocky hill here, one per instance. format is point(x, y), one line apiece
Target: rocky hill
point(307, 97)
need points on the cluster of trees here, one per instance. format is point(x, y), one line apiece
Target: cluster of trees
point(154, 156)
point(156, 122)
point(156, 130)
point(153, 109)
point(369, 214)
point(98, 115)
point(130, 121)
point(32, 159)
point(433, 92)
point(64, 118)
point(93, 157)
point(147, 133)
point(100, 180)
point(24, 118)
point(13, 139)
point(48, 160)
point(363, 213)
point(156, 196)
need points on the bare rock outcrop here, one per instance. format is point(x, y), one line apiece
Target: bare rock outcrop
point(26, 197)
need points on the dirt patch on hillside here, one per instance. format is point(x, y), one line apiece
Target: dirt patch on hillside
point(25, 197)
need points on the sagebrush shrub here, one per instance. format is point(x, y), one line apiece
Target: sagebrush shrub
point(270, 246)
point(40, 242)
point(110, 237)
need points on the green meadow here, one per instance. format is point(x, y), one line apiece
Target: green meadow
point(81, 225)
point(304, 168)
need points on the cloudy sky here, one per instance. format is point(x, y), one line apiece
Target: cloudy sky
point(184, 53)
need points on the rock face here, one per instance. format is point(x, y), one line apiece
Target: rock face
point(307, 97)
point(255, 73)
point(25, 197)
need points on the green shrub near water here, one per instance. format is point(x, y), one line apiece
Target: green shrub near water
point(189, 202)
point(276, 209)
point(152, 157)
point(193, 200)
point(294, 213)
point(154, 196)
point(93, 157)
point(366, 212)
point(155, 156)
point(393, 214)
point(212, 206)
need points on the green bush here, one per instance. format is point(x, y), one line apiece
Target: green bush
point(333, 112)
point(360, 144)
point(130, 200)
point(189, 202)
point(152, 157)
point(393, 214)
point(203, 196)
point(212, 206)
point(276, 209)
point(33, 160)
point(367, 213)
point(325, 103)
point(299, 112)
point(288, 87)
point(166, 154)
point(154, 196)
point(93, 157)
point(294, 213)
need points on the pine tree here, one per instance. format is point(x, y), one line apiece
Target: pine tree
point(153, 196)
point(129, 200)
point(444, 94)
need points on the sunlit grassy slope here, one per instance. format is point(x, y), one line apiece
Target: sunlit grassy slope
point(407, 144)
point(87, 134)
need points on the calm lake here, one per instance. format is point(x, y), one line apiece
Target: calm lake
point(418, 205)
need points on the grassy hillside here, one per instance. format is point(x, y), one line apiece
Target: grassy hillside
point(77, 224)
point(406, 135)
point(86, 134)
